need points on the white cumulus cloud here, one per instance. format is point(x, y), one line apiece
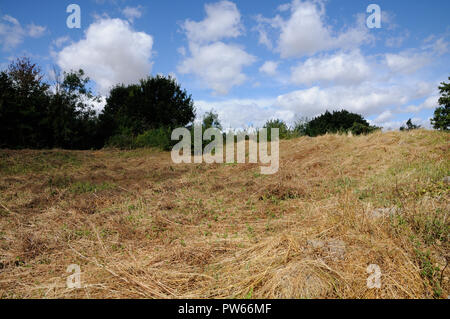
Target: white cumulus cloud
point(132, 13)
point(339, 68)
point(407, 62)
point(110, 53)
point(367, 99)
point(269, 68)
point(217, 64)
point(223, 20)
point(305, 32)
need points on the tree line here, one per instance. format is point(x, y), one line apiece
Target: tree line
point(37, 114)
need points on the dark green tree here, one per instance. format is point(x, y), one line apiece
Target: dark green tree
point(23, 102)
point(153, 103)
point(441, 119)
point(71, 118)
point(34, 116)
point(338, 121)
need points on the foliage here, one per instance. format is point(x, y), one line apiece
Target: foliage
point(160, 138)
point(211, 120)
point(154, 102)
point(33, 116)
point(441, 119)
point(338, 122)
point(282, 127)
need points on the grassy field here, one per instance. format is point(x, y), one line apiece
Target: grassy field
point(140, 226)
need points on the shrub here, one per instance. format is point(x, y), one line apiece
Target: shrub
point(279, 124)
point(122, 140)
point(358, 129)
point(160, 138)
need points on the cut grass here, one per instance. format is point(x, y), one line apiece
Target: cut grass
point(141, 227)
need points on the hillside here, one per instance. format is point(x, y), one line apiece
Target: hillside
point(140, 226)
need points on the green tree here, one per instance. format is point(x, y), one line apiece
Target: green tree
point(211, 120)
point(153, 103)
point(71, 117)
point(338, 121)
point(33, 116)
point(441, 119)
point(280, 125)
point(23, 102)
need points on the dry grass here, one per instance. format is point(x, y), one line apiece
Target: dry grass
point(142, 227)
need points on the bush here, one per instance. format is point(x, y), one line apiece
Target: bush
point(123, 140)
point(160, 138)
point(284, 131)
point(359, 129)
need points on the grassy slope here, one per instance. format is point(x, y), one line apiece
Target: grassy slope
point(140, 226)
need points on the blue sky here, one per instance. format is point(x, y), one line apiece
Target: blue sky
point(249, 60)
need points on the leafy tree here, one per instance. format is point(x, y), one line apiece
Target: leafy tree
point(71, 117)
point(153, 103)
point(33, 116)
point(277, 123)
point(300, 126)
point(338, 121)
point(23, 102)
point(441, 119)
point(211, 120)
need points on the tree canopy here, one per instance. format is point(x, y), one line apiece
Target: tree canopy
point(153, 103)
point(338, 121)
point(441, 119)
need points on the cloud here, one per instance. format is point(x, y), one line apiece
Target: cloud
point(269, 68)
point(383, 117)
point(36, 31)
point(244, 113)
point(395, 125)
point(366, 99)
point(263, 34)
point(110, 53)
point(12, 33)
point(439, 47)
point(218, 65)
point(397, 41)
point(385, 102)
point(59, 42)
point(264, 39)
point(132, 13)
point(430, 103)
point(340, 68)
point(223, 20)
point(305, 32)
point(407, 62)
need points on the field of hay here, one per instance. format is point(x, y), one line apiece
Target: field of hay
point(140, 226)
